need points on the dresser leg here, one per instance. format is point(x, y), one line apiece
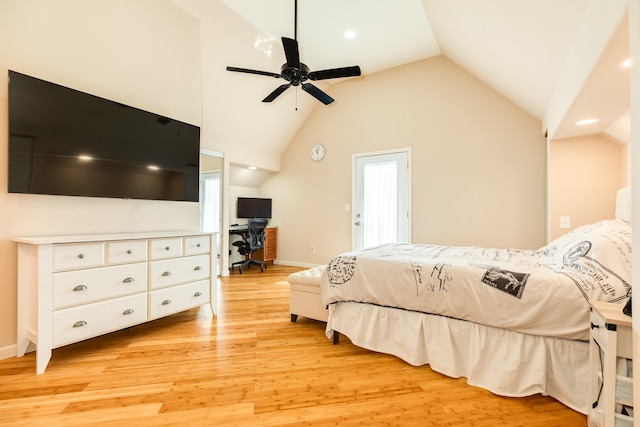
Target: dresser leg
point(42, 360)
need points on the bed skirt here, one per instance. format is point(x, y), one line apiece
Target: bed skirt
point(504, 362)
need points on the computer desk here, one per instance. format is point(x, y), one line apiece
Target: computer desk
point(268, 253)
point(241, 230)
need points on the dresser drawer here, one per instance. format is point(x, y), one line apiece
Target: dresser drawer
point(178, 270)
point(79, 323)
point(171, 300)
point(165, 248)
point(90, 285)
point(76, 256)
point(126, 251)
point(195, 245)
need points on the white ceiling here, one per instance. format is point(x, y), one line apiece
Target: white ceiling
point(521, 48)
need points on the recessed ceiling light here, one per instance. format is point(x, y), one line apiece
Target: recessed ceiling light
point(153, 167)
point(85, 157)
point(349, 34)
point(587, 121)
point(625, 64)
point(251, 168)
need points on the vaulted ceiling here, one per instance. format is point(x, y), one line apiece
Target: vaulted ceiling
point(557, 60)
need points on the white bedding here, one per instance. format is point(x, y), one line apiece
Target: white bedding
point(504, 362)
point(541, 292)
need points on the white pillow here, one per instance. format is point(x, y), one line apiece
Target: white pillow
point(597, 258)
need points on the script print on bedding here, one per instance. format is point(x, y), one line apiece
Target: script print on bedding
point(539, 292)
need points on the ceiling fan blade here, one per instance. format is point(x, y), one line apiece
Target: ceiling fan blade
point(273, 95)
point(246, 70)
point(317, 93)
point(291, 52)
point(335, 73)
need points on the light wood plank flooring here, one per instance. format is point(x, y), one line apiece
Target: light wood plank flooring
point(248, 366)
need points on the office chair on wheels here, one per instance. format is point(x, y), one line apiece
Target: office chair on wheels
point(253, 240)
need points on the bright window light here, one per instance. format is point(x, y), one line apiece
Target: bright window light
point(587, 121)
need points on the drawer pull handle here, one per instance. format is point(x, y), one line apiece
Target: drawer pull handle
point(129, 251)
point(80, 324)
point(167, 248)
point(81, 256)
point(594, 326)
point(197, 294)
point(166, 302)
point(197, 268)
point(80, 288)
point(166, 273)
point(128, 311)
point(129, 280)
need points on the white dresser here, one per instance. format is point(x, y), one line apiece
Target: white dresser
point(71, 288)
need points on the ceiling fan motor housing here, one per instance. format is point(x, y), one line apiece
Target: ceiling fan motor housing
point(294, 75)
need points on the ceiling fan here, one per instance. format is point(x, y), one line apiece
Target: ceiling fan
point(296, 73)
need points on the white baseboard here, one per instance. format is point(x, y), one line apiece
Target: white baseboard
point(295, 264)
point(8, 351)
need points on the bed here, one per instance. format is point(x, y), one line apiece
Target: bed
point(515, 322)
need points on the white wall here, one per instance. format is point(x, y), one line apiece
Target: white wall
point(478, 171)
point(584, 174)
point(144, 53)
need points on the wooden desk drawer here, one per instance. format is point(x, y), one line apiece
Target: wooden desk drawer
point(171, 300)
point(90, 320)
point(178, 270)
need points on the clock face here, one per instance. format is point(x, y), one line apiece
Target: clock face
point(317, 152)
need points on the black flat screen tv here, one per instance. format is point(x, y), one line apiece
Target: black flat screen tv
point(253, 207)
point(66, 142)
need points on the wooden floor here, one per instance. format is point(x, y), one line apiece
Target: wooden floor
point(248, 366)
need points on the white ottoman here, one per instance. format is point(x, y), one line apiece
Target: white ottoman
point(305, 294)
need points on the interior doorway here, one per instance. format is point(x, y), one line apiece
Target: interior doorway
point(211, 197)
point(381, 202)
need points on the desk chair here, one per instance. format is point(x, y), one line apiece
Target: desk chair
point(252, 241)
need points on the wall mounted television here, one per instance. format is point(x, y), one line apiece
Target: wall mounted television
point(66, 142)
point(253, 207)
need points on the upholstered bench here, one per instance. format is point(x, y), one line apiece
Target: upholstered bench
point(305, 294)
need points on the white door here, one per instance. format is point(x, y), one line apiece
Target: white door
point(381, 203)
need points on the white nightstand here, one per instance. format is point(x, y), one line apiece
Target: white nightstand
point(611, 338)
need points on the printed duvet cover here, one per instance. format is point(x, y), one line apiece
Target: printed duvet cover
point(540, 292)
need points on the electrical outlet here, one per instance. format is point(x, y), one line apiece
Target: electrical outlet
point(312, 250)
point(565, 222)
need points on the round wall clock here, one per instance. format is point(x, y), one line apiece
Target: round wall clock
point(317, 152)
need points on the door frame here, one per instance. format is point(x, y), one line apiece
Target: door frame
point(354, 189)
